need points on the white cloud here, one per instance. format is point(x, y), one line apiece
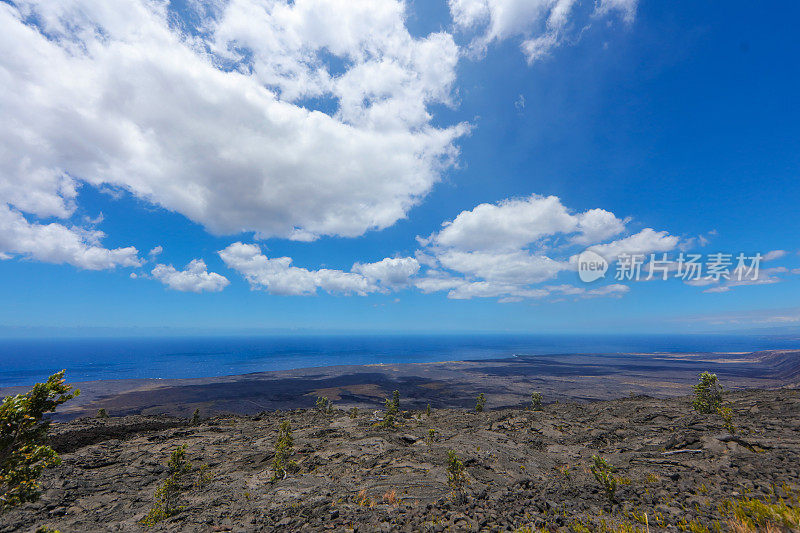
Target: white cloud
point(542, 25)
point(515, 223)
point(56, 243)
point(391, 272)
point(155, 251)
point(278, 276)
point(506, 249)
point(213, 125)
point(195, 278)
point(510, 267)
point(740, 277)
point(774, 254)
point(645, 242)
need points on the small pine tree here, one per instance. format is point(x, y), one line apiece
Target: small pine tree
point(456, 475)
point(169, 492)
point(480, 403)
point(707, 394)
point(536, 401)
point(392, 409)
point(428, 410)
point(24, 452)
point(102, 413)
point(284, 448)
point(431, 436)
point(603, 473)
point(324, 405)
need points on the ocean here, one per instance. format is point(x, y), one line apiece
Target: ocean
point(26, 361)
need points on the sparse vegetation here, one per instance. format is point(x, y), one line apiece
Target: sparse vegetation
point(169, 492)
point(392, 409)
point(727, 419)
point(284, 448)
point(354, 413)
point(24, 452)
point(536, 401)
point(707, 394)
point(603, 473)
point(101, 413)
point(480, 403)
point(324, 405)
point(456, 476)
point(391, 498)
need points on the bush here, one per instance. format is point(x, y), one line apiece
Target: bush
point(284, 448)
point(169, 492)
point(195, 421)
point(707, 394)
point(392, 409)
point(480, 403)
point(536, 401)
point(354, 413)
point(102, 413)
point(428, 410)
point(456, 475)
point(23, 437)
point(603, 473)
point(727, 419)
point(324, 405)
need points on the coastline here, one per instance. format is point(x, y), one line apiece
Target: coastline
point(507, 382)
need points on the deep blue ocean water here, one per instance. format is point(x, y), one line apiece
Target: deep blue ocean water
point(25, 361)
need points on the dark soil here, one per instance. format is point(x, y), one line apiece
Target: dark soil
point(525, 469)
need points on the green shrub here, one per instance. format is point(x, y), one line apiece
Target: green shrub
point(284, 448)
point(354, 413)
point(707, 394)
point(603, 473)
point(195, 421)
point(392, 409)
point(101, 413)
point(536, 401)
point(456, 475)
point(428, 410)
point(431, 436)
point(324, 405)
point(24, 452)
point(169, 492)
point(727, 419)
point(480, 403)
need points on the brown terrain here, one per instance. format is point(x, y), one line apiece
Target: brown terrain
point(525, 470)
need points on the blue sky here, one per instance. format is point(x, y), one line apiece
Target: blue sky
point(188, 129)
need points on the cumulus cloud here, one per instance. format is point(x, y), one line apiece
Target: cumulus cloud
point(541, 25)
point(279, 276)
point(391, 272)
point(514, 223)
point(289, 119)
point(644, 242)
point(508, 249)
point(194, 278)
point(57, 243)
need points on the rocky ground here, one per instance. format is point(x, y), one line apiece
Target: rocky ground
point(526, 470)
